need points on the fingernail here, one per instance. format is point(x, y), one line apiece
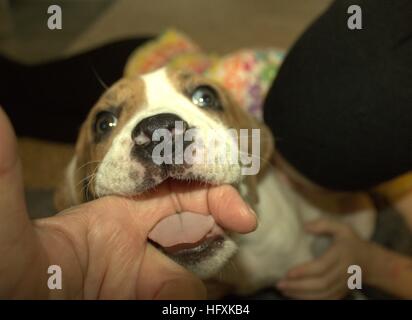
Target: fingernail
point(251, 210)
point(253, 213)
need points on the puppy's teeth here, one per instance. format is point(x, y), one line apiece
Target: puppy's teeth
point(142, 139)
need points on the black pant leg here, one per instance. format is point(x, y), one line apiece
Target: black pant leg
point(340, 107)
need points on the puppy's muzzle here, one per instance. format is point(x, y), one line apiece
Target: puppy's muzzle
point(150, 132)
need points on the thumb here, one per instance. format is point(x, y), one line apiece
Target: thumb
point(13, 215)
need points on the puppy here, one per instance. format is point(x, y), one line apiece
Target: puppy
point(115, 155)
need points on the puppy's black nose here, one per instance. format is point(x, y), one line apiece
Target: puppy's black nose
point(142, 134)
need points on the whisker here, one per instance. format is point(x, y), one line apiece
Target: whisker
point(99, 79)
point(88, 186)
point(233, 266)
point(87, 164)
point(84, 179)
point(90, 178)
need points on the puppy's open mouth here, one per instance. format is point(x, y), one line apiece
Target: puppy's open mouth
point(187, 235)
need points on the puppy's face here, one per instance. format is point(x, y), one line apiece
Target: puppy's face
point(159, 128)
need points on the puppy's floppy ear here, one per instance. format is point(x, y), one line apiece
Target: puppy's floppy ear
point(69, 192)
point(267, 148)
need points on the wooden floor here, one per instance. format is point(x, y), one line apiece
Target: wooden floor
point(218, 26)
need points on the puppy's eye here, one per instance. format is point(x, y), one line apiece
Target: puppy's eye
point(105, 121)
point(206, 97)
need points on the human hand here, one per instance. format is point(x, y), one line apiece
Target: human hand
point(101, 246)
point(326, 277)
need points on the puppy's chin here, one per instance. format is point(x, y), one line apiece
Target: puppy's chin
point(206, 259)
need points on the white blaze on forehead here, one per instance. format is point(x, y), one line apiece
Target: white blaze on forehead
point(116, 175)
point(163, 97)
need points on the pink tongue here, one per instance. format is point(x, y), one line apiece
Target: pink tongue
point(185, 227)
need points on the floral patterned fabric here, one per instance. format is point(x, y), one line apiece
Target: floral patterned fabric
point(247, 74)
